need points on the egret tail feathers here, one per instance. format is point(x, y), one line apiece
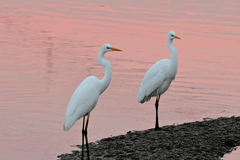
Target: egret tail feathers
point(68, 123)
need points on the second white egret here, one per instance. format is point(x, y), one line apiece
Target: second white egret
point(159, 77)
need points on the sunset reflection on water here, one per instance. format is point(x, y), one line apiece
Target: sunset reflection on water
point(48, 47)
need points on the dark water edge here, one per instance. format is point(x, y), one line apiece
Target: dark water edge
point(209, 139)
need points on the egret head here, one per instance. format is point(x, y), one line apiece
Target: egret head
point(108, 48)
point(172, 35)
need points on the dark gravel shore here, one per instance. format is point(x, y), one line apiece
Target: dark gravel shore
point(209, 139)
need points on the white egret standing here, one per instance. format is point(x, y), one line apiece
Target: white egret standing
point(85, 97)
point(159, 77)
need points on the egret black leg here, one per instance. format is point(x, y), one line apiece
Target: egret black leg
point(83, 136)
point(156, 106)
point(86, 136)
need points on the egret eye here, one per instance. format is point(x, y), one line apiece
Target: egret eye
point(172, 35)
point(108, 47)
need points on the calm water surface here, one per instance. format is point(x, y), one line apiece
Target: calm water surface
point(48, 47)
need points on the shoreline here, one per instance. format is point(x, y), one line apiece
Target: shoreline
point(207, 139)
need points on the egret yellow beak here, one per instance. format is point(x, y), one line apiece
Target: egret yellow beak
point(115, 49)
point(176, 37)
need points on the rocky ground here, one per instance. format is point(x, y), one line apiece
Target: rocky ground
point(209, 139)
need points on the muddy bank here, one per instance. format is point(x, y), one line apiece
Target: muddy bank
point(209, 139)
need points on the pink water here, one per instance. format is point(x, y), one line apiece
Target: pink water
point(48, 47)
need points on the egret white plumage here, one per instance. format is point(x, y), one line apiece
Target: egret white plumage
point(159, 77)
point(85, 97)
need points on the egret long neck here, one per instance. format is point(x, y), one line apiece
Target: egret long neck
point(174, 58)
point(104, 83)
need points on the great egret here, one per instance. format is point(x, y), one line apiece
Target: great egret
point(85, 97)
point(159, 77)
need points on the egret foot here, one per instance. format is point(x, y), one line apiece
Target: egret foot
point(160, 129)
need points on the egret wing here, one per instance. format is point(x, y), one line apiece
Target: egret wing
point(83, 100)
point(153, 80)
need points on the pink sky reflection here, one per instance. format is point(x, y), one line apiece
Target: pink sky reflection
point(49, 47)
